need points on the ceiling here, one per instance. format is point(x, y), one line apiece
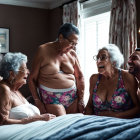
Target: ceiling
point(45, 4)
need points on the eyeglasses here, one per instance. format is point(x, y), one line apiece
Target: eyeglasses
point(24, 70)
point(72, 43)
point(101, 58)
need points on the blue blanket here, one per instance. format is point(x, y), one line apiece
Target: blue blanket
point(100, 128)
point(74, 127)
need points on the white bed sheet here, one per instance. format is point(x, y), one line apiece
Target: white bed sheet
point(37, 129)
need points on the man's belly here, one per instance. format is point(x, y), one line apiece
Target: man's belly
point(57, 81)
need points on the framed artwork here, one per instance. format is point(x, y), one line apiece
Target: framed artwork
point(4, 40)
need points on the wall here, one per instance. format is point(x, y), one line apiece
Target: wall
point(55, 20)
point(29, 27)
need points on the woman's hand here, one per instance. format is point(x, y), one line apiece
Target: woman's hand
point(40, 105)
point(47, 116)
point(43, 117)
point(81, 106)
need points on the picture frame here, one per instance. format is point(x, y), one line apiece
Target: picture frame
point(4, 40)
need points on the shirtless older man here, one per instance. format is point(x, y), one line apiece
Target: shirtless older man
point(134, 66)
point(57, 75)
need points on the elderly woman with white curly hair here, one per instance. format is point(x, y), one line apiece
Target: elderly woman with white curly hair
point(112, 90)
point(14, 108)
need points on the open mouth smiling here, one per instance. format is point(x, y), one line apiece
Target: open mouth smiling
point(101, 66)
point(25, 78)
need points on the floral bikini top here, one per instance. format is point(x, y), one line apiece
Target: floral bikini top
point(120, 101)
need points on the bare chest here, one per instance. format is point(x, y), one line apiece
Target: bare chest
point(53, 64)
point(67, 64)
point(17, 99)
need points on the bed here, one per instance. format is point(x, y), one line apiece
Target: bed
point(74, 127)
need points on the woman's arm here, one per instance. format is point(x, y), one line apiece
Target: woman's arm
point(79, 82)
point(33, 80)
point(89, 110)
point(43, 117)
point(6, 105)
point(79, 78)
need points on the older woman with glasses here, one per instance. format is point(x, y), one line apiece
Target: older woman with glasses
point(56, 80)
point(113, 91)
point(14, 108)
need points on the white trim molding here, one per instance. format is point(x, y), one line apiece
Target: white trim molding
point(95, 7)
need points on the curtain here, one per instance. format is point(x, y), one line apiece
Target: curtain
point(71, 13)
point(123, 29)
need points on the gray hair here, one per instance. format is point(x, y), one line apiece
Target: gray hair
point(115, 54)
point(68, 29)
point(11, 62)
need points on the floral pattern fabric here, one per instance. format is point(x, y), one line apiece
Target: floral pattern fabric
point(64, 98)
point(120, 101)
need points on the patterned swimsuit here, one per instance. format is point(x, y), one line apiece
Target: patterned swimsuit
point(120, 101)
point(64, 97)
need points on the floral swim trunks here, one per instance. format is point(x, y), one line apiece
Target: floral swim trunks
point(64, 97)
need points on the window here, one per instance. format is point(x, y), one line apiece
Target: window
point(94, 34)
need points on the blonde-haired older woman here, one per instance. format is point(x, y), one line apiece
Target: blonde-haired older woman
point(112, 90)
point(14, 108)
